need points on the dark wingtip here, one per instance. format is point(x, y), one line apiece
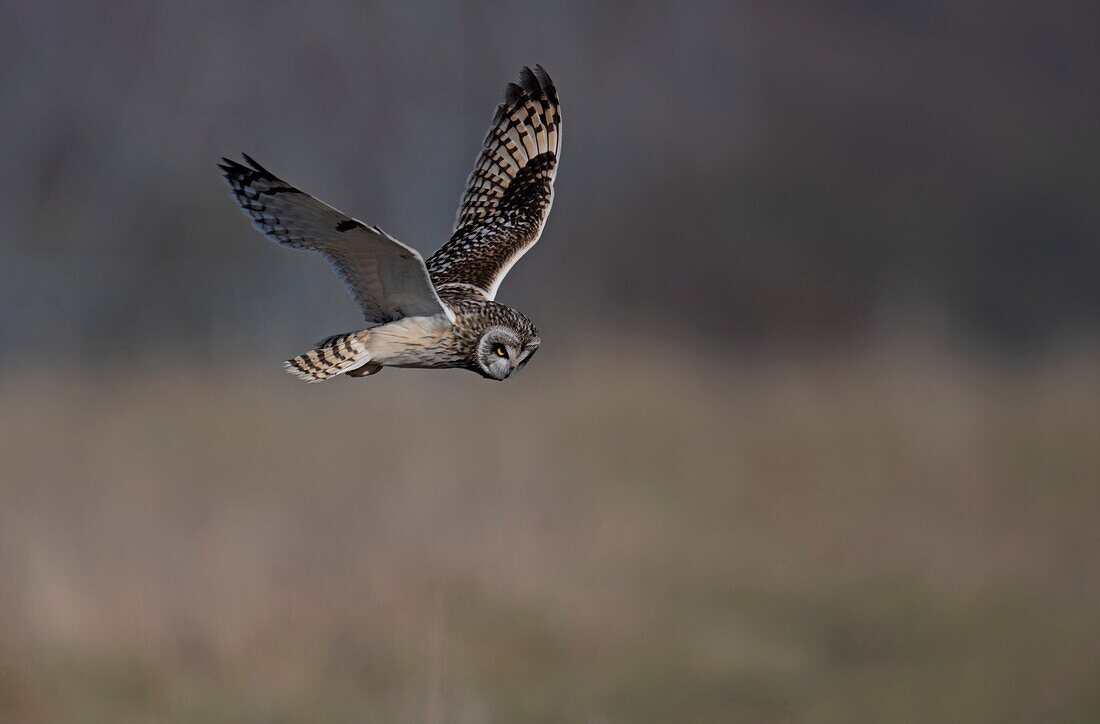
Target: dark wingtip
point(229, 165)
point(512, 94)
point(546, 83)
point(529, 82)
point(533, 84)
point(253, 163)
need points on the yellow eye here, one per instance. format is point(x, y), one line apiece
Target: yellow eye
point(499, 351)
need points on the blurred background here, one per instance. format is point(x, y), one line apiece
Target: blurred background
point(814, 434)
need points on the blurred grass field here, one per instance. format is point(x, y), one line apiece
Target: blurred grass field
point(885, 535)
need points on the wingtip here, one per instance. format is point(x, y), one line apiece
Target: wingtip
point(533, 84)
point(512, 94)
point(528, 80)
point(253, 163)
point(546, 83)
point(229, 165)
point(236, 168)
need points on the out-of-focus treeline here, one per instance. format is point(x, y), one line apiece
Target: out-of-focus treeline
point(760, 173)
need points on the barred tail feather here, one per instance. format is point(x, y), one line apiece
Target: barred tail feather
point(335, 355)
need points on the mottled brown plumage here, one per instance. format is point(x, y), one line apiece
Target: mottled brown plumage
point(510, 192)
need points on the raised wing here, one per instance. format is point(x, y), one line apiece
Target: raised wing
point(509, 193)
point(387, 279)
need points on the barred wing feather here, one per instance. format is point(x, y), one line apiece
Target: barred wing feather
point(509, 194)
point(387, 279)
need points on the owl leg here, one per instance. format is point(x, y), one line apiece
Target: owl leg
point(366, 370)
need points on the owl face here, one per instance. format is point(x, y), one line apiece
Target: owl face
point(503, 351)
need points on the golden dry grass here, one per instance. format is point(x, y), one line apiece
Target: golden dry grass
point(873, 536)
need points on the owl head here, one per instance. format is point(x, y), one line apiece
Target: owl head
point(505, 347)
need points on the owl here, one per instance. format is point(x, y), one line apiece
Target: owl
point(442, 313)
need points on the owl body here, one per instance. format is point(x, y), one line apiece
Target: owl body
point(472, 341)
point(428, 342)
point(440, 313)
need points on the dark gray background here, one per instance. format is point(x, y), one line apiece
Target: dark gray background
point(756, 173)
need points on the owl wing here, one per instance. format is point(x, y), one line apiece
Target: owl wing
point(510, 191)
point(387, 279)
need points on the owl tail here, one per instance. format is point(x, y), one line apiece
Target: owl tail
point(337, 354)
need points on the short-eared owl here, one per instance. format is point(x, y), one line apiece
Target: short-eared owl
point(439, 314)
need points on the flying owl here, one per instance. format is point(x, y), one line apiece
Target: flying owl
point(438, 314)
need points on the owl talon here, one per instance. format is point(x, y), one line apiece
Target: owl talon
point(366, 370)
